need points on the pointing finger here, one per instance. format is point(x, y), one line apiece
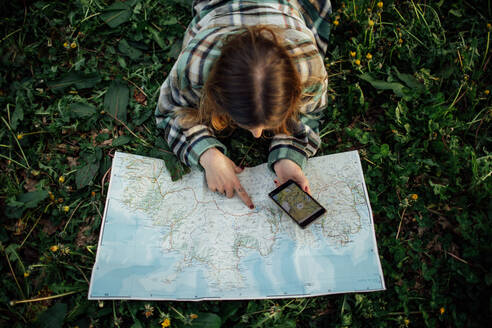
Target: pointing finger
point(244, 195)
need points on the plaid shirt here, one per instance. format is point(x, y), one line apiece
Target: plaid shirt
point(306, 28)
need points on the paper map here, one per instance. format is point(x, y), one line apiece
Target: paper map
point(177, 240)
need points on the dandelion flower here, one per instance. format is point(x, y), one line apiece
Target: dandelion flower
point(487, 92)
point(166, 323)
point(149, 310)
point(400, 41)
point(353, 53)
point(442, 310)
point(414, 196)
point(369, 56)
point(65, 250)
point(73, 45)
point(26, 274)
point(66, 45)
point(20, 136)
point(335, 22)
point(380, 4)
point(193, 316)
point(66, 208)
point(357, 62)
point(54, 248)
point(371, 22)
point(61, 179)
point(406, 321)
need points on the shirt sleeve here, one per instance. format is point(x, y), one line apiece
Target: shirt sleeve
point(316, 14)
point(304, 141)
point(187, 143)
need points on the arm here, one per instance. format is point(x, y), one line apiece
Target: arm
point(289, 154)
point(196, 145)
point(187, 143)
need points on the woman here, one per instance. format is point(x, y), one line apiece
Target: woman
point(257, 65)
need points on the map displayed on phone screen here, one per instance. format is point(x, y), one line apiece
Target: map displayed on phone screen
point(296, 202)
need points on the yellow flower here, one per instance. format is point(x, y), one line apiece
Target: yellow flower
point(66, 45)
point(65, 249)
point(414, 196)
point(73, 45)
point(52, 197)
point(380, 4)
point(406, 321)
point(26, 274)
point(20, 136)
point(60, 200)
point(489, 26)
point(369, 56)
point(93, 194)
point(335, 22)
point(353, 53)
point(54, 248)
point(357, 62)
point(371, 22)
point(442, 310)
point(400, 41)
point(166, 323)
point(193, 316)
point(66, 208)
point(61, 179)
point(487, 92)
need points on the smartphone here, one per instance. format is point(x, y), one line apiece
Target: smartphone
point(298, 204)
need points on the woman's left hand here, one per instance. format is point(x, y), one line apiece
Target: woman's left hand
point(287, 169)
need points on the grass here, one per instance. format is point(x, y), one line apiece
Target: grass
point(409, 88)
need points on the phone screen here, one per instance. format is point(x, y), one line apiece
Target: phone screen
point(297, 203)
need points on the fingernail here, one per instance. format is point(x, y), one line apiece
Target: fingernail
point(306, 189)
point(251, 206)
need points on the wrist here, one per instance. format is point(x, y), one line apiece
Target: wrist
point(207, 155)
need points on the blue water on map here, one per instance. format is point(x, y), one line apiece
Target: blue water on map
point(285, 271)
point(133, 263)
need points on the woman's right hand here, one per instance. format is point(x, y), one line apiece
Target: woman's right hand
point(220, 173)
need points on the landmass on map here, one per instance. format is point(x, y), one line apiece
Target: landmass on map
point(221, 243)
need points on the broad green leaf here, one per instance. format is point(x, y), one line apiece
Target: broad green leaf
point(80, 80)
point(85, 174)
point(128, 50)
point(79, 110)
point(53, 317)
point(11, 251)
point(408, 79)
point(17, 116)
point(385, 150)
point(382, 85)
point(157, 38)
point(171, 20)
point(123, 140)
point(116, 14)
point(116, 100)
point(32, 199)
point(209, 320)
